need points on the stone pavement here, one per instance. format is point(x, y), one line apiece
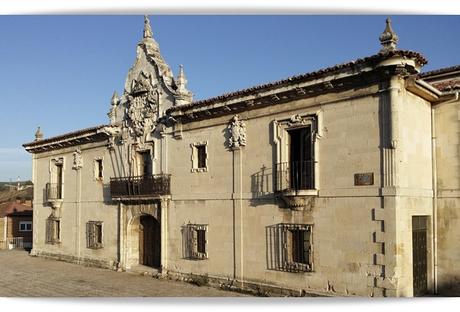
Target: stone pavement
point(25, 276)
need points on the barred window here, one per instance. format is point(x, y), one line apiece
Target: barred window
point(53, 231)
point(94, 234)
point(194, 241)
point(290, 247)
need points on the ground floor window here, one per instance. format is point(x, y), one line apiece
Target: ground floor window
point(94, 234)
point(194, 243)
point(289, 247)
point(53, 231)
point(25, 226)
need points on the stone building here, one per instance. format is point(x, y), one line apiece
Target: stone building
point(342, 181)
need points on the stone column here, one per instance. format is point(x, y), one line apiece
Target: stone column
point(164, 205)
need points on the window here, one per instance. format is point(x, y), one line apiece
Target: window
point(25, 226)
point(98, 169)
point(194, 241)
point(145, 163)
point(53, 231)
point(199, 157)
point(201, 152)
point(296, 139)
point(290, 247)
point(94, 234)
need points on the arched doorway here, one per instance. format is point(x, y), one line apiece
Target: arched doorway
point(149, 242)
point(143, 242)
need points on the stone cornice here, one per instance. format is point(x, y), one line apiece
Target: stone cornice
point(79, 137)
point(332, 79)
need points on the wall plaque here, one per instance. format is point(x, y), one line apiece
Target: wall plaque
point(364, 178)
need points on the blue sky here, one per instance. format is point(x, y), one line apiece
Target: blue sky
point(59, 72)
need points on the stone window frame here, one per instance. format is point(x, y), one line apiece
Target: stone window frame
point(54, 161)
point(93, 241)
point(150, 147)
point(281, 128)
point(25, 223)
point(280, 246)
point(53, 234)
point(194, 157)
point(96, 171)
point(190, 241)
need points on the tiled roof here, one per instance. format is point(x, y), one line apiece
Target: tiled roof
point(13, 207)
point(303, 77)
point(65, 136)
point(439, 71)
point(448, 85)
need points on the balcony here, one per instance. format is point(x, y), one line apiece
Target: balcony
point(295, 183)
point(140, 187)
point(53, 193)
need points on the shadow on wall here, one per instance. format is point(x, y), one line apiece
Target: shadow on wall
point(449, 289)
point(262, 187)
point(106, 194)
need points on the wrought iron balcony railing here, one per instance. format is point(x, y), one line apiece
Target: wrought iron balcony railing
point(139, 187)
point(53, 191)
point(295, 176)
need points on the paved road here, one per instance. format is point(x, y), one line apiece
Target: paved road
point(25, 276)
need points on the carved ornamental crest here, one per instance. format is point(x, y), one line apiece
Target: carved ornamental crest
point(237, 130)
point(142, 109)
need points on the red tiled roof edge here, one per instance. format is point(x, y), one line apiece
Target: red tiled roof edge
point(64, 136)
point(311, 75)
point(439, 71)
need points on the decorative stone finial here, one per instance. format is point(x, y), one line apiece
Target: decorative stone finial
point(181, 80)
point(115, 99)
point(147, 29)
point(388, 38)
point(38, 134)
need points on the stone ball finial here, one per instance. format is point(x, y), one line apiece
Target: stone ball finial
point(38, 134)
point(388, 38)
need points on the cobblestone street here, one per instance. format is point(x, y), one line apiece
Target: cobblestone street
point(25, 276)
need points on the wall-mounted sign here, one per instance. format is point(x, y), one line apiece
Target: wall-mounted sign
point(364, 178)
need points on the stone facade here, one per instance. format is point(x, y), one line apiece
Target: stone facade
point(310, 184)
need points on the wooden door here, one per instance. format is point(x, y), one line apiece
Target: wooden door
point(419, 254)
point(149, 242)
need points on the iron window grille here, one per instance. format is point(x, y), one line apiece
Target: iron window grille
point(94, 234)
point(53, 231)
point(194, 243)
point(290, 247)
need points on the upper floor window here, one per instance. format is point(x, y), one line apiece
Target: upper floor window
point(296, 164)
point(25, 226)
point(144, 159)
point(98, 168)
point(199, 156)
